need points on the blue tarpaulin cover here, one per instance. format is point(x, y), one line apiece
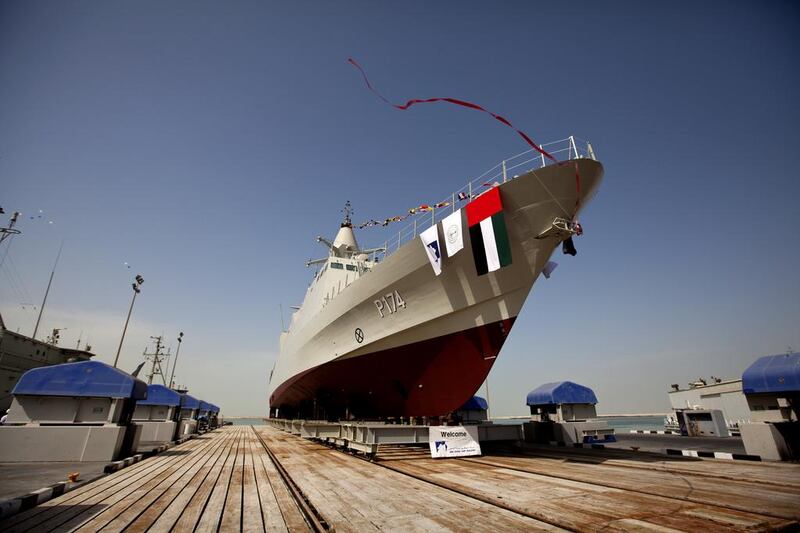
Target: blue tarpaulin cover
point(561, 392)
point(83, 378)
point(214, 408)
point(204, 407)
point(476, 403)
point(189, 402)
point(773, 373)
point(161, 395)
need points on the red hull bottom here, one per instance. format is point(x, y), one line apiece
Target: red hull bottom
point(428, 378)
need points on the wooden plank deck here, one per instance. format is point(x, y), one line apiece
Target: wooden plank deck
point(217, 480)
point(584, 502)
point(740, 494)
point(355, 495)
point(226, 481)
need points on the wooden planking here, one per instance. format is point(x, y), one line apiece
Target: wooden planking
point(226, 481)
point(762, 473)
point(212, 513)
point(576, 505)
point(118, 508)
point(781, 501)
point(162, 515)
point(231, 516)
point(252, 516)
point(271, 515)
point(290, 512)
point(48, 509)
point(193, 511)
point(355, 495)
point(92, 497)
point(135, 503)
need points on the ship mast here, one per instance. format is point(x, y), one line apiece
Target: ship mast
point(157, 357)
point(46, 292)
point(348, 210)
point(6, 233)
point(9, 231)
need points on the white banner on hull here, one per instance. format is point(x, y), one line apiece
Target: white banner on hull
point(453, 441)
point(430, 238)
point(453, 236)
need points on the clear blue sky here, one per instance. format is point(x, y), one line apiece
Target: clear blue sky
point(208, 143)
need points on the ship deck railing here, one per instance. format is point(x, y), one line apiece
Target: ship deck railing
point(566, 149)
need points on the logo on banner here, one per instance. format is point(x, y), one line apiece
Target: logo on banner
point(430, 238)
point(452, 233)
point(434, 246)
point(453, 441)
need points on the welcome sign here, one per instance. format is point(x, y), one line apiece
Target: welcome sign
point(453, 441)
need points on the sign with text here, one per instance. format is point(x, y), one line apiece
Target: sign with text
point(453, 441)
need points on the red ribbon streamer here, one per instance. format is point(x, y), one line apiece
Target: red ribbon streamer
point(455, 101)
point(577, 190)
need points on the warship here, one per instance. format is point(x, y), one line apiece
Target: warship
point(19, 353)
point(413, 327)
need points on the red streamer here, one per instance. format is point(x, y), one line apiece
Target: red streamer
point(455, 101)
point(577, 190)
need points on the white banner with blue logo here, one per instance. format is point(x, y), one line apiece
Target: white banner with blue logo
point(453, 441)
point(453, 235)
point(430, 238)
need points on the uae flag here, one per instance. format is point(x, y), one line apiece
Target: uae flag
point(487, 231)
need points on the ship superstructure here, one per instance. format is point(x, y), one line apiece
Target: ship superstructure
point(19, 353)
point(380, 334)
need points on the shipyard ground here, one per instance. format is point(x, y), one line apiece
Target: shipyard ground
point(17, 479)
point(260, 478)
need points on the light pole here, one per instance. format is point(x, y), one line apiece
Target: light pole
point(175, 362)
point(137, 288)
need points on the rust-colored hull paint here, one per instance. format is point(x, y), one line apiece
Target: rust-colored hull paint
point(427, 378)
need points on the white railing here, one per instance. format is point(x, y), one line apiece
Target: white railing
point(508, 169)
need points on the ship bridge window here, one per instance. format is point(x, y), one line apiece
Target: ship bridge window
point(337, 266)
point(351, 267)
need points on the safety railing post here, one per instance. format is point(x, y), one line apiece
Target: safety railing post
point(415, 227)
point(469, 192)
point(504, 170)
point(453, 203)
point(591, 150)
point(572, 146)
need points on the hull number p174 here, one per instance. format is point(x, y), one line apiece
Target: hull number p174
point(390, 303)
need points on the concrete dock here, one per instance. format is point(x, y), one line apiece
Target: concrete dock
point(244, 478)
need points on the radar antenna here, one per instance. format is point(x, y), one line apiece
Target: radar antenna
point(348, 210)
point(10, 230)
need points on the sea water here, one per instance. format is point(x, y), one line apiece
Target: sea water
point(624, 424)
point(246, 421)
